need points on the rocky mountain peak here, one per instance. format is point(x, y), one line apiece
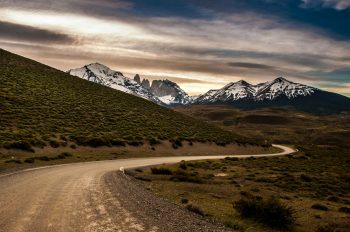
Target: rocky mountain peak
point(137, 78)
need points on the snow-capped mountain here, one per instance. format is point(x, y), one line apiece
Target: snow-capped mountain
point(279, 92)
point(169, 92)
point(162, 92)
point(242, 90)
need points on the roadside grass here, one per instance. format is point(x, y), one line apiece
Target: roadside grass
point(310, 190)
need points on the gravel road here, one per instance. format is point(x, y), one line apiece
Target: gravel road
point(93, 197)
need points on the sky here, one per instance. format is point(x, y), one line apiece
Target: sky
point(200, 44)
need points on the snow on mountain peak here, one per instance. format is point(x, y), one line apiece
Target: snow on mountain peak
point(163, 92)
point(264, 91)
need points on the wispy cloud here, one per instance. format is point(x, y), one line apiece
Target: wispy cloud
point(336, 4)
point(18, 32)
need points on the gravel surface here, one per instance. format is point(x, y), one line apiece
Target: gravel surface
point(154, 213)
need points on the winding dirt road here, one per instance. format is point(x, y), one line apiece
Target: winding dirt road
point(91, 197)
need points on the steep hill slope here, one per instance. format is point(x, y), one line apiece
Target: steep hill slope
point(40, 105)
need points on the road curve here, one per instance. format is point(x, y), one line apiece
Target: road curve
point(77, 197)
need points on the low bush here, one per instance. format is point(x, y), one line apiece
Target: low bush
point(344, 210)
point(16, 161)
point(66, 154)
point(183, 165)
point(319, 207)
point(195, 209)
point(231, 158)
point(135, 143)
point(305, 177)
point(43, 158)
point(184, 200)
point(29, 160)
point(270, 212)
point(154, 141)
point(21, 145)
point(54, 143)
point(161, 171)
point(187, 178)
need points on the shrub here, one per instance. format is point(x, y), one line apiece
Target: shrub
point(73, 146)
point(183, 165)
point(29, 160)
point(154, 141)
point(305, 178)
point(60, 156)
point(118, 143)
point(176, 143)
point(270, 212)
point(43, 158)
point(195, 209)
point(231, 158)
point(135, 143)
point(16, 161)
point(328, 228)
point(344, 210)
point(184, 200)
point(97, 142)
point(319, 207)
point(161, 171)
point(186, 178)
point(21, 145)
point(54, 144)
point(66, 154)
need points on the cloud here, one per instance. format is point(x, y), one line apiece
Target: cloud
point(250, 65)
point(200, 53)
point(11, 31)
point(335, 4)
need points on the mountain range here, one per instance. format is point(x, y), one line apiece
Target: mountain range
point(278, 92)
point(162, 92)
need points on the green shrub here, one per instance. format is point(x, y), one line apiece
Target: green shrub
point(154, 141)
point(270, 212)
point(97, 142)
point(231, 158)
point(183, 165)
point(73, 146)
point(161, 171)
point(184, 200)
point(135, 143)
point(54, 143)
point(344, 210)
point(187, 178)
point(319, 206)
point(29, 160)
point(195, 209)
point(66, 154)
point(21, 145)
point(118, 143)
point(43, 158)
point(16, 161)
point(306, 178)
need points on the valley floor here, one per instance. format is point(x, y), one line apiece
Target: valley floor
point(313, 182)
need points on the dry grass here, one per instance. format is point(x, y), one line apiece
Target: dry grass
point(312, 177)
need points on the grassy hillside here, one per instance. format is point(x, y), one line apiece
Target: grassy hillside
point(40, 105)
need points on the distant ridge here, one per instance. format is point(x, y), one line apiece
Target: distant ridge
point(279, 92)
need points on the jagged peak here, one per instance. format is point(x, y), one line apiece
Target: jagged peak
point(282, 79)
